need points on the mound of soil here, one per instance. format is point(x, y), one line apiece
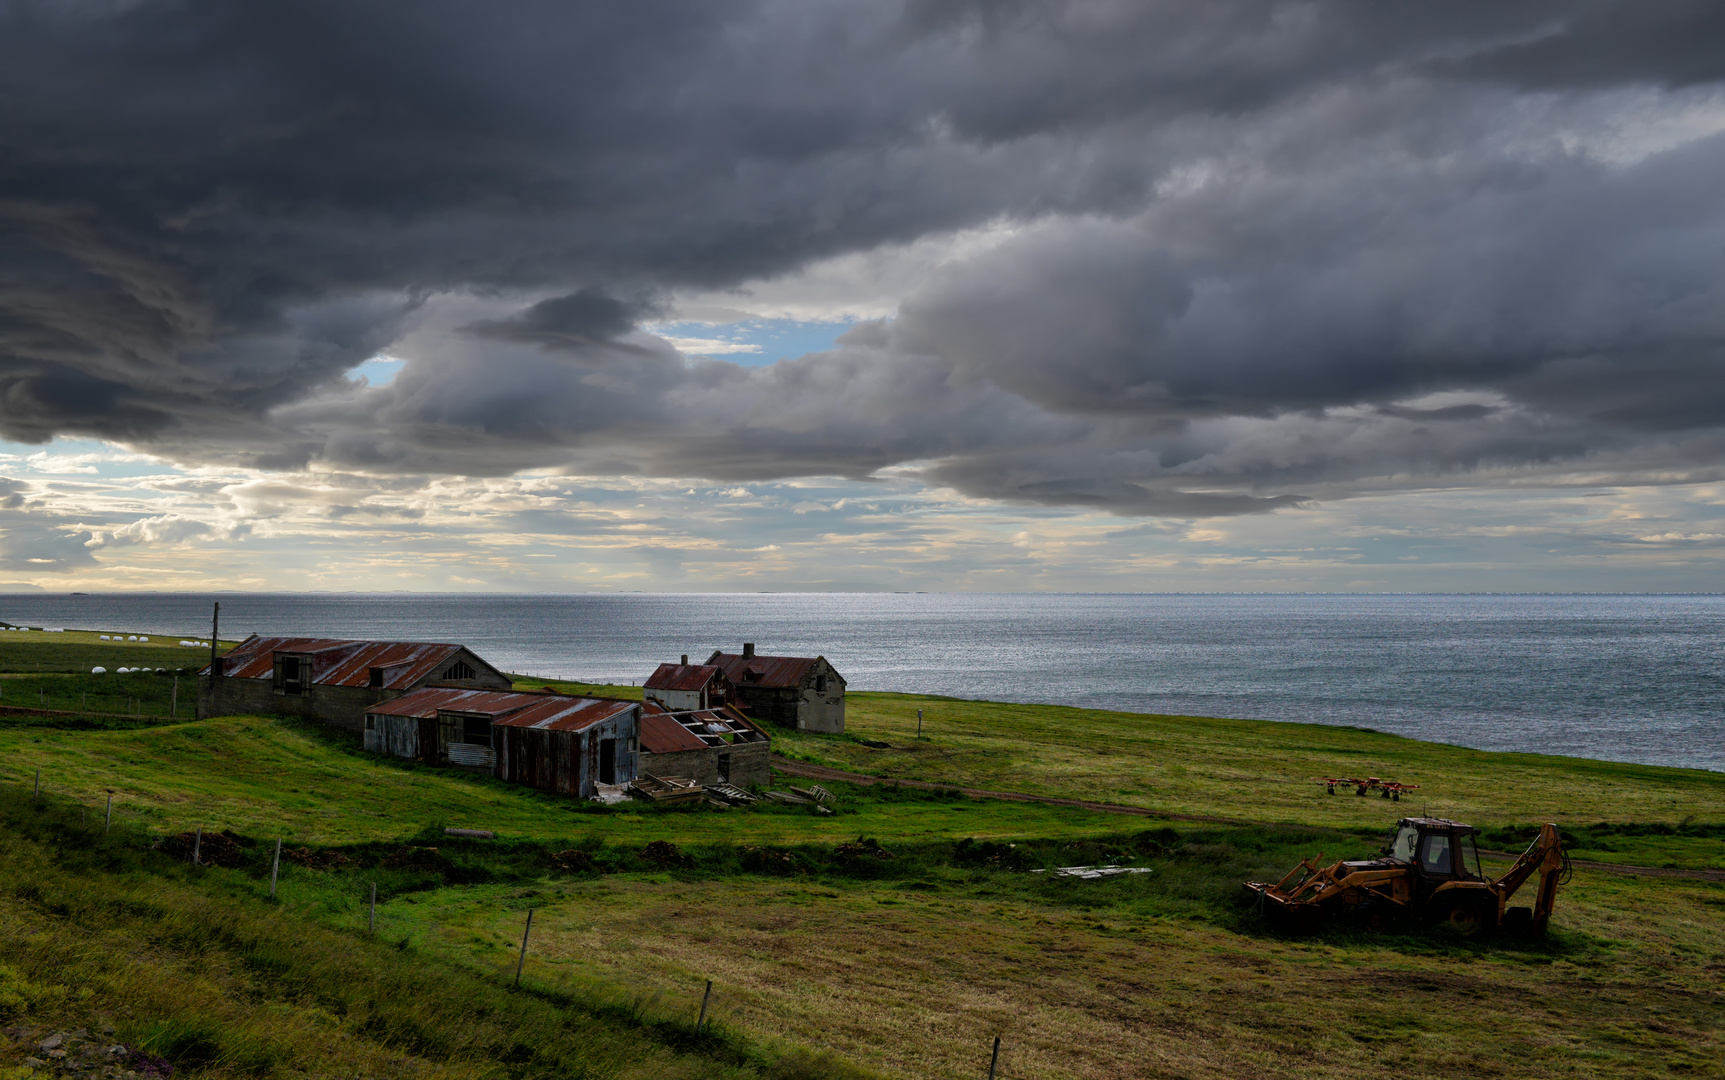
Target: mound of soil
point(663, 854)
point(572, 861)
point(215, 849)
point(416, 858)
point(316, 860)
point(863, 848)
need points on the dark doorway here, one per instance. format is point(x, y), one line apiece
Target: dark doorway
point(607, 761)
point(724, 768)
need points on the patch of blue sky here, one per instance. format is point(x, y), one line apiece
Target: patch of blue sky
point(76, 457)
point(752, 342)
point(379, 370)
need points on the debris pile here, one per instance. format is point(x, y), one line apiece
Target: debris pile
point(76, 1053)
point(666, 790)
point(728, 794)
point(1091, 873)
point(814, 794)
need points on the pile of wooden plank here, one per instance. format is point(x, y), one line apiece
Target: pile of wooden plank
point(817, 795)
point(666, 790)
point(728, 794)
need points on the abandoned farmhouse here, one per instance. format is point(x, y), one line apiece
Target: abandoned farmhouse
point(800, 692)
point(442, 704)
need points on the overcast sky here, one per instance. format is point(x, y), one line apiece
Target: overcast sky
point(703, 294)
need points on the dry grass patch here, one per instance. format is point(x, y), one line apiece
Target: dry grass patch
point(917, 983)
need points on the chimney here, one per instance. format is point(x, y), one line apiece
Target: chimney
point(748, 650)
point(685, 660)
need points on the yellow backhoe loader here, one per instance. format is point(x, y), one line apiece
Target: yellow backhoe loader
point(1429, 873)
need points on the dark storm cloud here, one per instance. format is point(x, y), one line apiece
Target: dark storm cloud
point(1240, 221)
point(582, 319)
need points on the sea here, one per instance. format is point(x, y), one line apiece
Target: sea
point(1633, 678)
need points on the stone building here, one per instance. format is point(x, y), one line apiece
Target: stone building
point(331, 679)
point(688, 686)
point(709, 746)
point(801, 692)
point(554, 742)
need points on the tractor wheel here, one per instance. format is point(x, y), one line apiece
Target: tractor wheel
point(1374, 914)
point(1466, 915)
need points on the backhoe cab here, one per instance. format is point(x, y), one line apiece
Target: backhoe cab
point(1429, 872)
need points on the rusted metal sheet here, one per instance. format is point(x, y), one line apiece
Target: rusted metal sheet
point(661, 734)
point(342, 662)
point(472, 755)
point(770, 671)
point(681, 677)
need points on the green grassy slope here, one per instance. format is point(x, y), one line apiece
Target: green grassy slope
point(906, 965)
point(1253, 770)
point(199, 967)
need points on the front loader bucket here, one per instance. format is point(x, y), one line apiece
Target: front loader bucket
point(1282, 912)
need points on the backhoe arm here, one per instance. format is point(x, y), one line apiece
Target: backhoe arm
point(1545, 855)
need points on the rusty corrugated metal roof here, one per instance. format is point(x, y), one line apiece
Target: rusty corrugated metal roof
point(510, 708)
point(680, 677)
point(657, 722)
point(567, 714)
point(341, 662)
point(747, 671)
point(660, 734)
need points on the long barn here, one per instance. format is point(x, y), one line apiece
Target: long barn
point(555, 742)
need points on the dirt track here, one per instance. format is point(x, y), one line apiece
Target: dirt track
point(822, 772)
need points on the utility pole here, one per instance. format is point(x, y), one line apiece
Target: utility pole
point(215, 634)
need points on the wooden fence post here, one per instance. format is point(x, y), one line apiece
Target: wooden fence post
point(108, 821)
point(995, 1060)
point(702, 1022)
point(519, 964)
point(275, 866)
point(371, 916)
point(197, 846)
point(174, 702)
point(37, 794)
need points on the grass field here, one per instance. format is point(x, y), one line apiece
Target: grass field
point(902, 955)
point(77, 651)
point(1247, 769)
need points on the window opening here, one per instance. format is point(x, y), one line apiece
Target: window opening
point(1405, 842)
point(371, 723)
point(292, 675)
point(377, 676)
point(1470, 856)
point(820, 684)
point(460, 670)
point(1435, 855)
point(476, 729)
